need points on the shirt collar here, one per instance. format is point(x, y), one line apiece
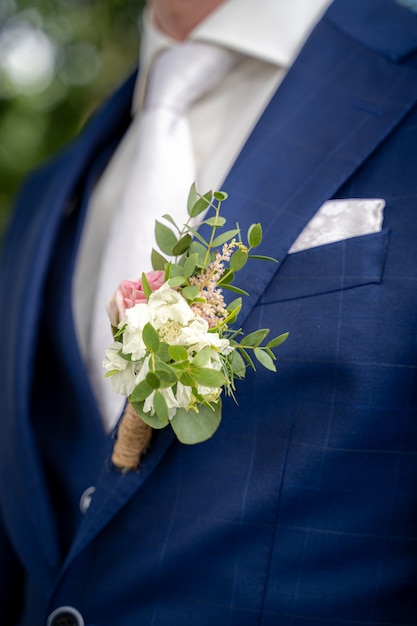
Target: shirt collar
point(270, 30)
point(277, 30)
point(153, 41)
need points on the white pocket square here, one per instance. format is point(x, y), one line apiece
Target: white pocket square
point(341, 219)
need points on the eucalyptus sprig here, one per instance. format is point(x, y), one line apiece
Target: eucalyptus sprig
point(191, 250)
point(193, 253)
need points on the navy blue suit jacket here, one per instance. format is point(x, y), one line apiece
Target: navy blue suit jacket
point(302, 510)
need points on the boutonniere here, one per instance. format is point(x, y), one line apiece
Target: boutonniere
point(176, 349)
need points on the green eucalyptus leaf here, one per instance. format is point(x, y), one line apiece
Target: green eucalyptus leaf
point(247, 358)
point(277, 341)
point(234, 289)
point(167, 271)
point(190, 265)
point(235, 304)
point(227, 278)
point(145, 286)
point(178, 353)
point(261, 257)
point(111, 373)
point(141, 392)
point(232, 316)
point(126, 357)
point(207, 377)
point(271, 354)
point(190, 292)
point(170, 219)
point(150, 338)
point(167, 375)
point(159, 262)
point(191, 427)
point(153, 380)
point(216, 221)
point(256, 338)
point(192, 198)
point(237, 364)
point(220, 195)
point(254, 235)
point(177, 281)
point(163, 354)
point(200, 250)
point(185, 379)
point(264, 359)
point(238, 260)
point(224, 237)
point(197, 236)
point(175, 270)
point(118, 332)
point(160, 406)
point(165, 238)
point(182, 245)
point(152, 420)
point(202, 358)
point(202, 204)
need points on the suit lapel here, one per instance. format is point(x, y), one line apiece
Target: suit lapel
point(114, 489)
point(328, 116)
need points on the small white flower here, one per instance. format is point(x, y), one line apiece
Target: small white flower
point(123, 380)
point(142, 369)
point(211, 394)
point(113, 360)
point(169, 398)
point(136, 318)
point(183, 395)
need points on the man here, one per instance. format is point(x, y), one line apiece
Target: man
point(301, 509)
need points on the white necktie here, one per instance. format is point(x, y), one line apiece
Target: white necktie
point(161, 174)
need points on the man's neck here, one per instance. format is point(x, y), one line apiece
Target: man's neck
point(177, 18)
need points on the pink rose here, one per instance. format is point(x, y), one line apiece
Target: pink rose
point(129, 293)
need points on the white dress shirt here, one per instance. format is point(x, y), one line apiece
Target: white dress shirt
point(268, 34)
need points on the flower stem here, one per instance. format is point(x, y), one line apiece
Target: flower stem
point(213, 232)
point(133, 439)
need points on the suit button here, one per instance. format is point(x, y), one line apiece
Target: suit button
point(65, 616)
point(85, 499)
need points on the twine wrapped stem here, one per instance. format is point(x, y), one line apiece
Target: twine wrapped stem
point(133, 439)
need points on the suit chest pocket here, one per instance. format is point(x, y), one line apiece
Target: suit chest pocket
point(332, 267)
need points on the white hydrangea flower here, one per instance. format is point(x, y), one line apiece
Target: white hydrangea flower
point(166, 304)
point(196, 335)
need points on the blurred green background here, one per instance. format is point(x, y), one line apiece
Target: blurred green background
point(58, 60)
